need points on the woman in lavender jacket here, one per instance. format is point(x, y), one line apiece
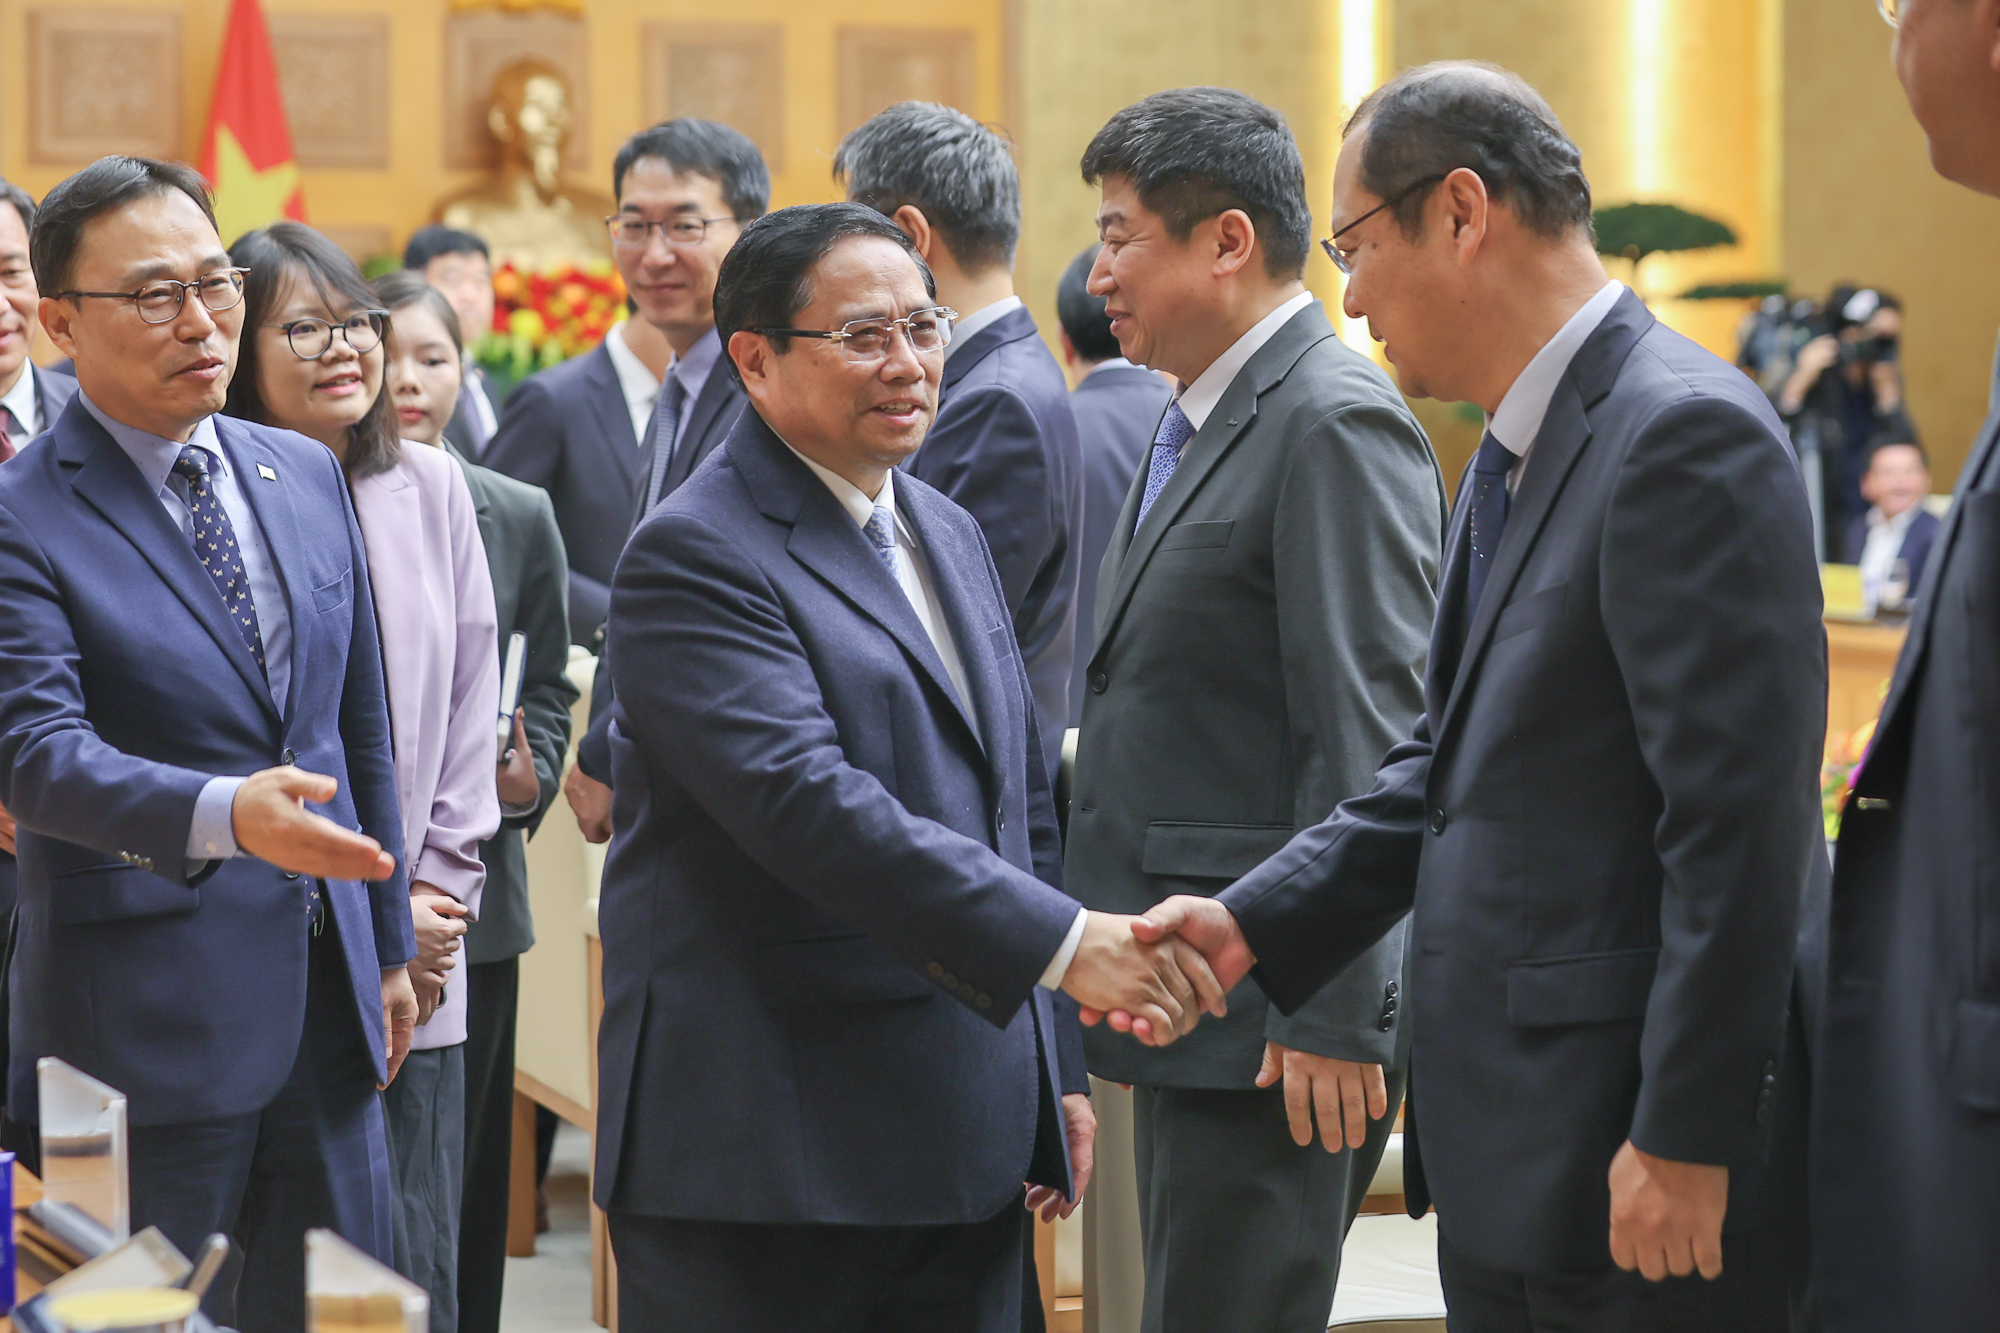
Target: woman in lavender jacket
point(312, 361)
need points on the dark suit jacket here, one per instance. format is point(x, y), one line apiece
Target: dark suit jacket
point(524, 553)
point(1605, 819)
point(1004, 446)
point(458, 431)
point(123, 688)
point(1906, 1139)
point(568, 431)
point(1917, 541)
point(717, 408)
point(1260, 642)
point(1117, 414)
point(830, 895)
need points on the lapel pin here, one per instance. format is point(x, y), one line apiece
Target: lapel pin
point(266, 473)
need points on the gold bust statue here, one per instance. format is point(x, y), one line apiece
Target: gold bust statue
point(531, 218)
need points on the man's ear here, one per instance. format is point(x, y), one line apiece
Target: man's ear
point(1467, 212)
point(1235, 240)
point(56, 315)
point(917, 227)
point(752, 353)
point(1987, 19)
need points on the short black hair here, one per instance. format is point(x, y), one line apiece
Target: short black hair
point(276, 256)
point(428, 243)
point(1432, 120)
point(1195, 153)
point(767, 277)
point(1896, 432)
point(1081, 314)
point(23, 202)
point(694, 147)
point(959, 173)
point(107, 183)
point(401, 288)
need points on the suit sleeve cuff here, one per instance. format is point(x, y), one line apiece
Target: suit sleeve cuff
point(212, 833)
point(1052, 975)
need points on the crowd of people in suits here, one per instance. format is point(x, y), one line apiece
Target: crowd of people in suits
point(1500, 810)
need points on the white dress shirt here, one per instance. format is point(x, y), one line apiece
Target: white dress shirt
point(474, 380)
point(26, 405)
point(913, 572)
point(1519, 417)
point(1884, 545)
point(693, 371)
point(965, 327)
point(640, 387)
point(1199, 399)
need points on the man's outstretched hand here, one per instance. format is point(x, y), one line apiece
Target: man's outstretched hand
point(1163, 983)
point(270, 821)
point(1202, 924)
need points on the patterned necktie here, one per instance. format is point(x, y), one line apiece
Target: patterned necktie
point(1175, 431)
point(215, 546)
point(666, 426)
point(6, 434)
point(469, 394)
point(1488, 517)
point(880, 530)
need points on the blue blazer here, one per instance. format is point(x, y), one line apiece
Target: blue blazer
point(830, 895)
point(1005, 447)
point(1918, 539)
point(123, 689)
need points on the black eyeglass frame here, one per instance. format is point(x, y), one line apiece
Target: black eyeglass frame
point(1340, 261)
point(944, 313)
point(234, 275)
point(377, 320)
point(613, 221)
point(1891, 12)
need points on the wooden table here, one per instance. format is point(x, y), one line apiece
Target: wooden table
point(1860, 658)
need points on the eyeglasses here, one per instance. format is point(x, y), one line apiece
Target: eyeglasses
point(631, 233)
point(1890, 10)
point(1334, 252)
point(311, 339)
point(868, 339)
point(160, 302)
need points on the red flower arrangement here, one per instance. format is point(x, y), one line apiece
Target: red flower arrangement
point(542, 318)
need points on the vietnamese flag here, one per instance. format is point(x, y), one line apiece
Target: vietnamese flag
point(247, 155)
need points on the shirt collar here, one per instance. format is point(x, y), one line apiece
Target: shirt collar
point(1900, 523)
point(1109, 363)
point(635, 381)
point(26, 404)
point(154, 455)
point(1199, 399)
point(693, 369)
point(966, 329)
point(858, 506)
point(1519, 417)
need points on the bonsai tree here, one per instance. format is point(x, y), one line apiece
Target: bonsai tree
point(1637, 230)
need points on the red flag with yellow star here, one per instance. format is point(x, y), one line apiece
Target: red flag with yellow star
point(247, 155)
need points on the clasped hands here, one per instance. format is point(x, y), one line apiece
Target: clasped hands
point(1154, 976)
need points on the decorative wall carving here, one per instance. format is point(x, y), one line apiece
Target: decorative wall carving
point(334, 70)
point(478, 46)
point(103, 81)
point(882, 66)
point(734, 73)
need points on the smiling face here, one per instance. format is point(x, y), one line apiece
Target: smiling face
point(422, 373)
point(322, 398)
point(674, 285)
point(855, 418)
point(1897, 478)
point(159, 378)
point(1153, 284)
point(18, 297)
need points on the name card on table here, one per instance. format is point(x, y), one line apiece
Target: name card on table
point(84, 1156)
point(348, 1291)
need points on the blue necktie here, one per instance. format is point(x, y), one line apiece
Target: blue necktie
point(1488, 517)
point(666, 425)
point(1175, 431)
point(215, 546)
point(881, 534)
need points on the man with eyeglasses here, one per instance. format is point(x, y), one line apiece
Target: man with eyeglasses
point(194, 739)
point(830, 1055)
point(1906, 1139)
point(460, 265)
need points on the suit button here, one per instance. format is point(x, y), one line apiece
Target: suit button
point(291, 874)
point(936, 970)
point(1392, 990)
point(1388, 1007)
point(1098, 681)
point(1000, 820)
point(950, 981)
point(983, 1001)
point(1387, 1023)
point(1437, 821)
point(965, 991)
point(291, 755)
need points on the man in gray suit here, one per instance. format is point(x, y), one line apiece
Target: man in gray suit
point(1261, 622)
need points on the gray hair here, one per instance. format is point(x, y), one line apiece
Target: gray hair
point(956, 171)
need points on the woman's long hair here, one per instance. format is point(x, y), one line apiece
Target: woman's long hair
point(276, 255)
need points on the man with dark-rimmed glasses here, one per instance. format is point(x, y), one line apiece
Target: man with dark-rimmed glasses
point(194, 740)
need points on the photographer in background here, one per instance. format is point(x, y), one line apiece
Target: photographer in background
point(1844, 389)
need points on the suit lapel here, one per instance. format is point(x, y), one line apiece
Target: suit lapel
point(277, 517)
point(969, 618)
point(111, 483)
point(700, 437)
point(614, 419)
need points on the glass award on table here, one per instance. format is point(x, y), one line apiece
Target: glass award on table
point(86, 1198)
point(347, 1291)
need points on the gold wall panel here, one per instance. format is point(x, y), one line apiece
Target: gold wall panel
point(734, 73)
point(334, 72)
point(478, 46)
point(103, 81)
point(880, 67)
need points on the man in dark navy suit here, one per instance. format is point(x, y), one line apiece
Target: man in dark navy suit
point(1117, 406)
point(829, 1056)
point(1897, 527)
point(460, 265)
point(194, 739)
point(1606, 819)
point(31, 399)
point(1005, 442)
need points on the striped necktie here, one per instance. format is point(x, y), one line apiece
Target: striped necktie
point(666, 427)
